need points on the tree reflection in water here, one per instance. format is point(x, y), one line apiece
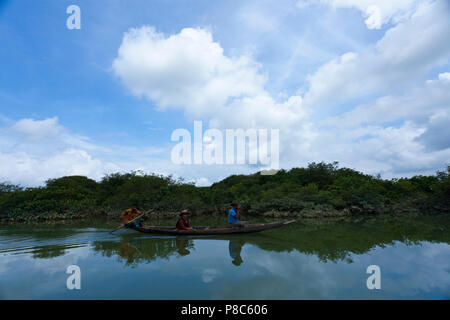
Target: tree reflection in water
point(328, 239)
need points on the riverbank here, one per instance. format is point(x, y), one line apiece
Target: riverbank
point(316, 191)
point(312, 212)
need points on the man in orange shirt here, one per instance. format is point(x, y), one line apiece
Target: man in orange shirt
point(129, 215)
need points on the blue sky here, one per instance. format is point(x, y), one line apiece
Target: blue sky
point(365, 83)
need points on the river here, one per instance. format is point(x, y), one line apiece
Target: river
point(312, 259)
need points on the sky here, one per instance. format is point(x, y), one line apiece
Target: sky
point(362, 82)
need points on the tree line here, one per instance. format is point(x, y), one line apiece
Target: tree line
point(319, 184)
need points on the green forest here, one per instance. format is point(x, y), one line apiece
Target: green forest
point(323, 186)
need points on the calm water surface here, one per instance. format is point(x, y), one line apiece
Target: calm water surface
point(313, 259)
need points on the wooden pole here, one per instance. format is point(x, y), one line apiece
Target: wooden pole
point(127, 223)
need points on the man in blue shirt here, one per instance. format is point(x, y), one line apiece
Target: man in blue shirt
point(234, 216)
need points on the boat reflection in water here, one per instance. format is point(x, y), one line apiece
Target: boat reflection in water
point(147, 250)
point(183, 245)
point(134, 251)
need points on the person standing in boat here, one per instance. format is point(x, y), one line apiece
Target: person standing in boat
point(130, 214)
point(183, 221)
point(234, 216)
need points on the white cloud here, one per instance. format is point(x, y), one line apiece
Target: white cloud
point(33, 151)
point(362, 138)
point(210, 275)
point(36, 150)
point(417, 104)
point(22, 167)
point(390, 151)
point(186, 70)
point(403, 131)
point(190, 71)
point(394, 121)
point(376, 12)
point(406, 52)
point(37, 129)
point(202, 182)
point(437, 134)
point(30, 156)
point(444, 76)
point(396, 135)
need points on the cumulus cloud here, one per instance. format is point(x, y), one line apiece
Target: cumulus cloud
point(406, 52)
point(191, 72)
point(437, 134)
point(37, 129)
point(402, 131)
point(186, 70)
point(395, 134)
point(22, 167)
point(391, 151)
point(33, 151)
point(431, 99)
point(202, 182)
point(395, 122)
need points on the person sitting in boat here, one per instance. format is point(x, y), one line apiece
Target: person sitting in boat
point(183, 221)
point(234, 217)
point(128, 215)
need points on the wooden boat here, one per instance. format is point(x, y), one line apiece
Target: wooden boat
point(213, 230)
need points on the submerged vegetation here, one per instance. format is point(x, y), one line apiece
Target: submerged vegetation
point(319, 189)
